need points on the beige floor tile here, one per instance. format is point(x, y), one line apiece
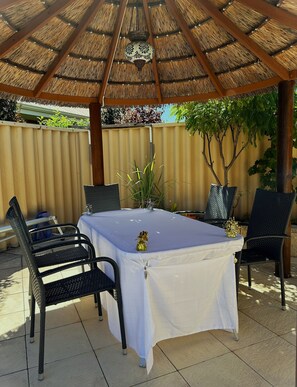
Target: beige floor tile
point(11, 303)
point(60, 343)
point(86, 308)
point(172, 380)
point(124, 371)
point(192, 349)
point(12, 355)
point(290, 337)
point(248, 297)
point(78, 371)
point(8, 276)
point(273, 317)
point(56, 316)
point(10, 261)
point(273, 359)
point(11, 286)
point(250, 332)
point(223, 371)
point(98, 333)
point(12, 325)
point(17, 379)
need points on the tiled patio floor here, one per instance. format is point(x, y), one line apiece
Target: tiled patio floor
point(80, 351)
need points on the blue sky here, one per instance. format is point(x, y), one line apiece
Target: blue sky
point(166, 117)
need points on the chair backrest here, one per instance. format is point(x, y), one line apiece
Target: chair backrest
point(103, 197)
point(36, 281)
point(16, 206)
point(270, 215)
point(220, 202)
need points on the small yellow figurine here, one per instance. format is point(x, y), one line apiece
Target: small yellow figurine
point(142, 240)
point(231, 228)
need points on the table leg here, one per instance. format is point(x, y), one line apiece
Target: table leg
point(235, 334)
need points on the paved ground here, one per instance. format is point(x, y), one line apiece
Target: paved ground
point(80, 351)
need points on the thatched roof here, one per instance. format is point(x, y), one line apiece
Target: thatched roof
point(72, 51)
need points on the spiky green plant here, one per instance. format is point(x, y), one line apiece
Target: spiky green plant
point(144, 184)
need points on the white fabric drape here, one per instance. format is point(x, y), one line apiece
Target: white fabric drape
point(184, 283)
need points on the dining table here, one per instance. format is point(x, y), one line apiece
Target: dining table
point(183, 283)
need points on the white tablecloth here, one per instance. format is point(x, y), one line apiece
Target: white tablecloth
point(184, 283)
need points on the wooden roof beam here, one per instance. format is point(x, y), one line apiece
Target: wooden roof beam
point(61, 57)
point(113, 46)
point(32, 25)
point(282, 16)
point(201, 57)
point(151, 41)
point(246, 41)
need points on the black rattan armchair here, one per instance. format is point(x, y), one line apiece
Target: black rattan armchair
point(266, 233)
point(219, 205)
point(93, 281)
point(103, 197)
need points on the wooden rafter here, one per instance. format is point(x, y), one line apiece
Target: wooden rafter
point(282, 16)
point(32, 25)
point(151, 41)
point(246, 41)
point(113, 46)
point(201, 57)
point(83, 24)
point(142, 101)
point(7, 3)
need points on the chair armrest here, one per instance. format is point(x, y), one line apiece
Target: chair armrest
point(58, 225)
point(45, 242)
point(284, 236)
point(83, 262)
point(61, 242)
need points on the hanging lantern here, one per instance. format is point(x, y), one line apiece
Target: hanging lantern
point(139, 51)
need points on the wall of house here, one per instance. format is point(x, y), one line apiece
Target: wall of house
point(47, 167)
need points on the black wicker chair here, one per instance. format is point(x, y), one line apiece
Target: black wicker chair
point(219, 205)
point(103, 197)
point(93, 281)
point(266, 233)
point(40, 249)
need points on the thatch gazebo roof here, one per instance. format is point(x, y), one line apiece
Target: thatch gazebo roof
point(72, 51)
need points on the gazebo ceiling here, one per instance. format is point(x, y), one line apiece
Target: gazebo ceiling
point(73, 51)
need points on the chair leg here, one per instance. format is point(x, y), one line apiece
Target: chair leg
point(32, 317)
point(282, 281)
point(98, 299)
point(41, 343)
point(121, 318)
point(249, 276)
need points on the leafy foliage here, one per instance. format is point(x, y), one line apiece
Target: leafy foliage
point(135, 115)
point(61, 121)
point(253, 116)
point(7, 110)
point(143, 184)
point(111, 116)
point(266, 166)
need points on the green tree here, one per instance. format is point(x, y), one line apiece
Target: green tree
point(266, 166)
point(61, 121)
point(252, 116)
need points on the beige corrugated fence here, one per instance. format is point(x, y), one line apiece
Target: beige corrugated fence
point(47, 167)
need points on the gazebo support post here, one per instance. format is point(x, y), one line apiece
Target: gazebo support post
point(96, 143)
point(284, 154)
